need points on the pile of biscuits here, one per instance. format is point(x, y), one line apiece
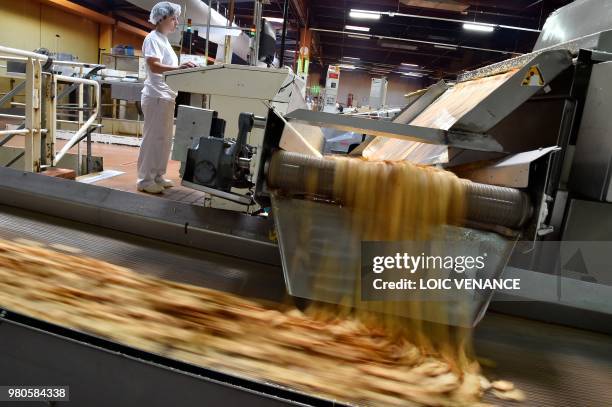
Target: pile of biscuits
point(342, 358)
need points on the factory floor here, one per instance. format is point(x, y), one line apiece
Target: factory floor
point(124, 158)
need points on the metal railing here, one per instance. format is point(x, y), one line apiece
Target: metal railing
point(94, 113)
point(33, 99)
point(41, 94)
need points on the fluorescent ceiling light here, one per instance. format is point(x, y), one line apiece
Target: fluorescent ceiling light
point(360, 37)
point(357, 28)
point(274, 19)
point(364, 15)
point(479, 27)
point(413, 65)
point(346, 66)
point(356, 59)
point(454, 20)
point(451, 47)
point(413, 74)
point(388, 44)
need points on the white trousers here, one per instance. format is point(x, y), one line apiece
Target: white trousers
point(157, 139)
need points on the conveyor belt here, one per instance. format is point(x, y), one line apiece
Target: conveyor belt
point(556, 366)
point(34, 352)
point(147, 256)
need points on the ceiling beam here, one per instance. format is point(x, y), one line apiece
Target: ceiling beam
point(400, 22)
point(447, 5)
point(504, 5)
point(134, 19)
point(381, 49)
point(460, 46)
point(491, 11)
point(301, 8)
point(81, 11)
point(129, 28)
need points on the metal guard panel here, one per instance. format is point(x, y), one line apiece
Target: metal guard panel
point(369, 126)
point(512, 92)
point(398, 131)
point(578, 19)
point(410, 112)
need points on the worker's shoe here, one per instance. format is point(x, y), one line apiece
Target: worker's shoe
point(165, 183)
point(152, 189)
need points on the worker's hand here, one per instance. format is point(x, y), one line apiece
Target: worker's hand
point(187, 65)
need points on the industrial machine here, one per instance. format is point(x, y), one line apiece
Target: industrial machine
point(378, 93)
point(531, 134)
point(217, 165)
point(231, 90)
point(267, 43)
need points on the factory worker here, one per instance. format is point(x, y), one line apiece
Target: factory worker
point(158, 99)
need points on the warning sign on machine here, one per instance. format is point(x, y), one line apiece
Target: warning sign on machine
point(534, 77)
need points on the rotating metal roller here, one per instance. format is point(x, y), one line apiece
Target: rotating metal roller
point(493, 205)
point(486, 204)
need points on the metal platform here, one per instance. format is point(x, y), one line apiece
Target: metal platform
point(556, 366)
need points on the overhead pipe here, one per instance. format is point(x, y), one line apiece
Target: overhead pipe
point(384, 37)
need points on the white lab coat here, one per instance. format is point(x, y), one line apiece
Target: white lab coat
point(158, 108)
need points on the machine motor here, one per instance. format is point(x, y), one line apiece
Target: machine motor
point(222, 164)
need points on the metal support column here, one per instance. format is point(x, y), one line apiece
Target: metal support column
point(207, 32)
point(257, 15)
point(284, 34)
point(80, 124)
point(50, 118)
point(89, 163)
point(227, 51)
point(33, 115)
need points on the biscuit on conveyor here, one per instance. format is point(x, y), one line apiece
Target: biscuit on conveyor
point(65, 248)
point(512, 395)
point(340, 358)
point(502, 385)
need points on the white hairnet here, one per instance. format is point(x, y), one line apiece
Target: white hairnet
point(162, 10)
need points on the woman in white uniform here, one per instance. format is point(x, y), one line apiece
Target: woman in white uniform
point(158, 99)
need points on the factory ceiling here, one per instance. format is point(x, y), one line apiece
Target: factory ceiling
point(390, 37)
point(403, 33)
point(427, 33)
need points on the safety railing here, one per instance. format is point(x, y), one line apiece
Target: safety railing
point(84, 127)
point(41, 93)
point(33, 100)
